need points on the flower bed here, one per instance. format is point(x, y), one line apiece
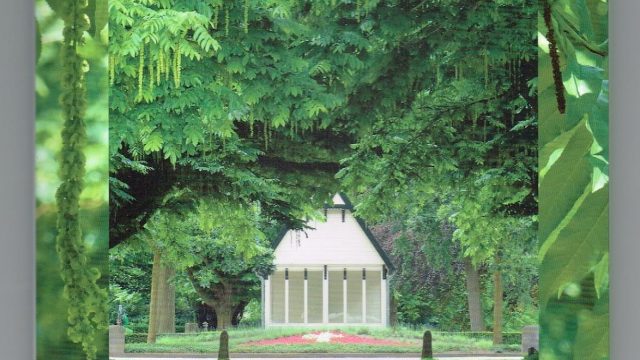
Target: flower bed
point(332, 337)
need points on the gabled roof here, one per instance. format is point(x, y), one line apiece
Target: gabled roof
point(348, 206)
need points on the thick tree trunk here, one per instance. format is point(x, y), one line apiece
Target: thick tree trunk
point(162, 308)
point(224, 315)
point(393, 311)
point(497, 308)
point(473, 296)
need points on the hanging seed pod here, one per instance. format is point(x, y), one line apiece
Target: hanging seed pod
point(159, 68)
point(266, 136)
point(216, 14)
point(226, 21)
point(486, 69)
point(555, 58)
point(86, 300)
point(177, 65)
point(112, 69)
point(152, 79)
point(140, 73)
point(246, 16)
point(166, 59)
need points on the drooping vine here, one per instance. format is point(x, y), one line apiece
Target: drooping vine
point(86, 310)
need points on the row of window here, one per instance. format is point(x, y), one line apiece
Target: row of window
point(354, 292)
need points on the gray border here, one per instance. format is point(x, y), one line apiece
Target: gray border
point(17, 266)
point(625, 177)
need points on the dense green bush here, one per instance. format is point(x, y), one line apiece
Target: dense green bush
point(135, 338)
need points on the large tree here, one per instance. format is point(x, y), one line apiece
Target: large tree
point(222, 249)
point(462, 128)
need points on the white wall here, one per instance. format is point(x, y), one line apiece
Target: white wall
point(331, 243)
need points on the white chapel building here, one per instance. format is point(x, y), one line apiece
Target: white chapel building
point(336, 273)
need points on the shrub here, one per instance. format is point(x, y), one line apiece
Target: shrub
point(135, 338)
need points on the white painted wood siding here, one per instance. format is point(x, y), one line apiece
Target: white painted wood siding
point(331, 243)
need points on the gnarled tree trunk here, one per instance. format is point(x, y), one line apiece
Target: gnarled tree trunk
point(473, 296)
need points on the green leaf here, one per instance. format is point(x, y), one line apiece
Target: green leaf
point(563, 182)
point(592, 340)
point(153, 142)
point(579, 247)
point(55, 5)
point(601, 275)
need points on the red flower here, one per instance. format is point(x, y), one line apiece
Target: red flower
point(337, 337)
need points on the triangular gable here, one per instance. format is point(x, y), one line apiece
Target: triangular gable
point(341, 201)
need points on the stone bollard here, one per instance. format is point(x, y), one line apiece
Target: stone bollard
point(530, 338)
point(427, 346)
point(116, 340)
point(223, 351)
point(205, 326)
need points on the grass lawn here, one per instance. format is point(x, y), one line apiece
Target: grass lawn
point(244, 341)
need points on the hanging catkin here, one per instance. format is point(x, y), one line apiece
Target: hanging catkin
point(177, 66)
point(226, 21)
point(216, 14)
point(166, 59)
point(140, 73)
point(555, 58)
point(86, 300)
point(486, 69)
point(112, 69)
point(159, 67)
point(246, 16)
point(152, 80)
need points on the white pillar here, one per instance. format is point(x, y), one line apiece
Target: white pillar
point(383, 300)
point(306, 298)
point(267, 301)
point(262, 300)
point(286, 297)
point(325, 296)
point(364, 296)
point(344, 296)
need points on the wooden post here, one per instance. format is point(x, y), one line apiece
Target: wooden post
point(427, 346)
